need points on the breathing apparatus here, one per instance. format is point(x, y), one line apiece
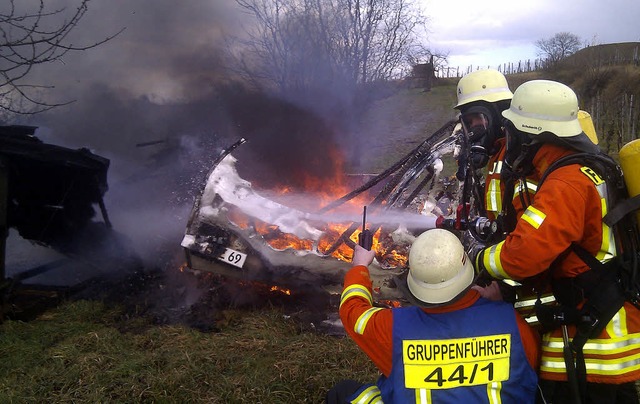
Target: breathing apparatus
point(630, 164)
point(481, 124)
point(482, 95)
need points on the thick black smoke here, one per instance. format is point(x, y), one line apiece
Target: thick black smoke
point(161, 104)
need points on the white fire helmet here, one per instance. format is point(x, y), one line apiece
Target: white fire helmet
point(544, 106)
point(439, 268)
point(483, 85)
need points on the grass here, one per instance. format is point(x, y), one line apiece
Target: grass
point(81, 352)
point(396, 125)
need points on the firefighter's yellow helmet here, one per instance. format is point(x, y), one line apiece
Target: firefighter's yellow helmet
point(544, 106)
point(439, 269)
point(483, 85)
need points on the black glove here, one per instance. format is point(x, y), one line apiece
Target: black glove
point(474, 252)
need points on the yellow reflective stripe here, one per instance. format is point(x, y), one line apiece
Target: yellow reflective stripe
point(597, 346)
point(491, 261)
point(603, 367)
point(370, 395)
point(608, 246)
point(534, 217)
point(423, 396)
point(497, 168)
point(494, 197)
point(361, 324)
point(493, 392)
point(355, 290)
point(532, 187)
point(618, 325)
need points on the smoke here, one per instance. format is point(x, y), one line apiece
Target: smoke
point(159, 101)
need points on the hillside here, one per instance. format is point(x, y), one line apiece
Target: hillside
point(605, 78)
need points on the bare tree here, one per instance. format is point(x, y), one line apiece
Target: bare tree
point(553, 50)
point(310, 42)
point(32, 36)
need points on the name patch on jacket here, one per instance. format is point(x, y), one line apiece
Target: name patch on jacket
point(448, 363)
point(593, 176)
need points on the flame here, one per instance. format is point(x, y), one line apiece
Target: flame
point(284, 291)
point(238, 218)
point(183, 267)
point(263, 287)
point(325, 190)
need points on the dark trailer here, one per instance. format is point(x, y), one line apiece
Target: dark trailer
point(47, 192)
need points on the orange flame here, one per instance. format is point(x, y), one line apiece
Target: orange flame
point(324, 191)
point(281, 290)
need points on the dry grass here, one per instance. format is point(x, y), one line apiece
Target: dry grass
point(76, 353)
point(396, 125)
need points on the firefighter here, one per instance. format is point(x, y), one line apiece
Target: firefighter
point(591, 346)
point(482, 96)
point(451, 346)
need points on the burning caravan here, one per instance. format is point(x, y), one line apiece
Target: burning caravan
point(235, 230)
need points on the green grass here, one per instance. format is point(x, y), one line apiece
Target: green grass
point(82, 352)
point(397, 124)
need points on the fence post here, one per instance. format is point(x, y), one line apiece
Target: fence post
point(632, 122)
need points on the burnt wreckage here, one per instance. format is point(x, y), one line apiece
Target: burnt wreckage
point(48, 193)
point(232, 227)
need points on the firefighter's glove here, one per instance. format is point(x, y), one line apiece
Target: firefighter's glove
point(362, 256)
point(474, 252)
point(483, 278)
point(491, 291)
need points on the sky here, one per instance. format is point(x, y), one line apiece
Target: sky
point(494, 32)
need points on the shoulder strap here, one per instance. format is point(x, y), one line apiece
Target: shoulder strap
point(601, 162)
point(623, 208)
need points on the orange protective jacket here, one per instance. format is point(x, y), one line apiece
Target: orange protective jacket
point(371, 328)
point(568, 208)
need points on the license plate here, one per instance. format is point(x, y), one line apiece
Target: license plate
point(233, 257)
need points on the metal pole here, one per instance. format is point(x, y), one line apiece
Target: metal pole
point(4, 230)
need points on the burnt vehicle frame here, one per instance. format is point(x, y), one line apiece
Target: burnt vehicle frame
point(214, 246)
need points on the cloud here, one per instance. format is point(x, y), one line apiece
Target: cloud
point(505, 31)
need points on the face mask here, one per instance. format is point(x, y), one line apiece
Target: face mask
point(520, 150)
point(514, 143)
point(478, 125)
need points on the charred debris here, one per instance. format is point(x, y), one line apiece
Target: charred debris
point(232, 227)
point(50, 195)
